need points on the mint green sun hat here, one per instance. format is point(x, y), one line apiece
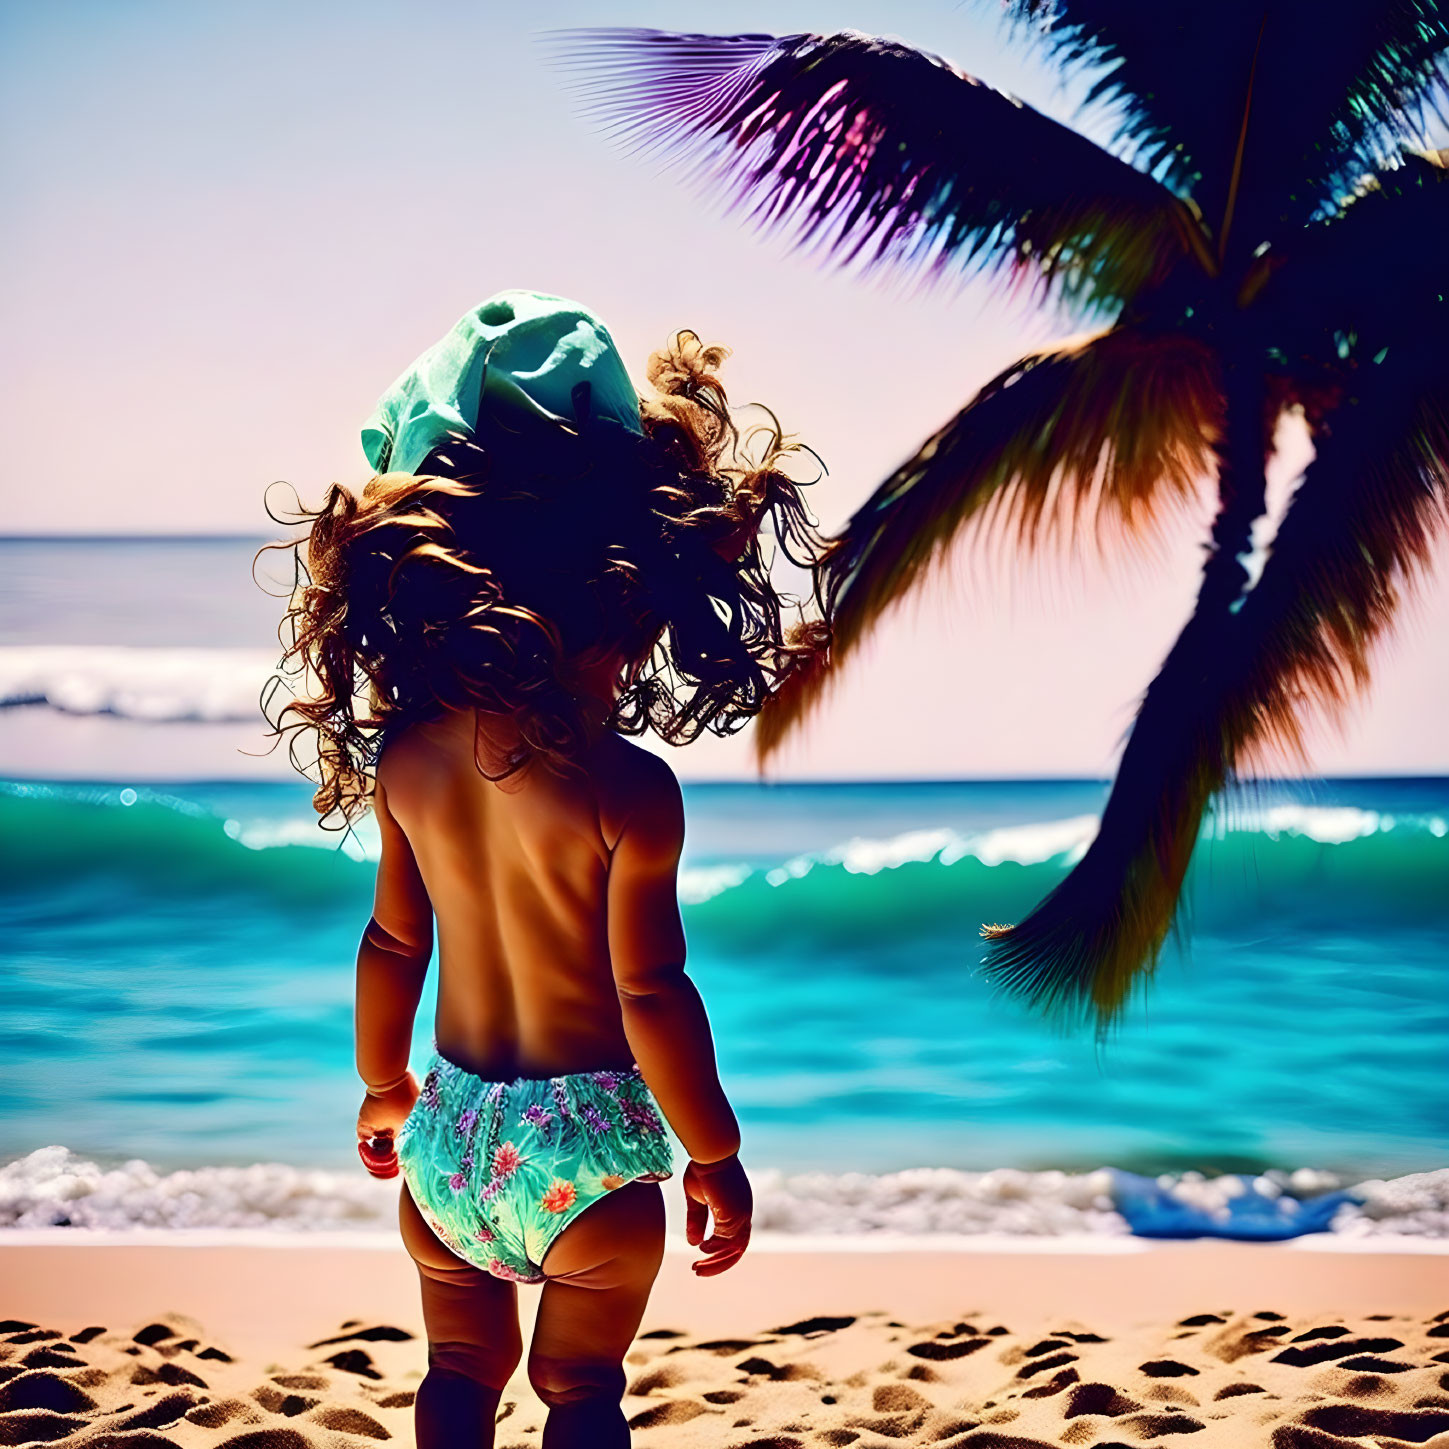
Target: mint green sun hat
point(517, 354)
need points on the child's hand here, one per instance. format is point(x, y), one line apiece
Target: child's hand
point(720, 1188)
point(382, 1114)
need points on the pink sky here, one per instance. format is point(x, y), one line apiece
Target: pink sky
point(228, 227)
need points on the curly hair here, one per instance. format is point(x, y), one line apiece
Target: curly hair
point(513, 563)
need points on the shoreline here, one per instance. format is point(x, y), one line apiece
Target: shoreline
point(364, 1240)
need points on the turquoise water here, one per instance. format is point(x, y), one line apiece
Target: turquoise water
point(176, 972)
point(177, 975)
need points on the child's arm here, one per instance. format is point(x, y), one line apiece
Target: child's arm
point(392, 964)
point(665, 1021)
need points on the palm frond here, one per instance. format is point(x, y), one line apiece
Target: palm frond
point(1319, 98)
point(873, 152)
point(1361, 529)
point(1109, 428)
point(1371, 277)
point(1158, 66)
point(1376, 84)
point(1241, 688)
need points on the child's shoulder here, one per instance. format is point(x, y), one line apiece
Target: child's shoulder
point(621, 766)
point(634, 784)
point(402, 750)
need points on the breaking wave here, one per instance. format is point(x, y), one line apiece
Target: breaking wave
point(1288, 859)
point(53, 1187)
point(151, 684)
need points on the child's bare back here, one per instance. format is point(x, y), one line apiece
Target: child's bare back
point(518, 879)
point(559, 937)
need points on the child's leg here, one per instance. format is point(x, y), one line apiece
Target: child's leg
point(473, 1340)
point(600, 1272)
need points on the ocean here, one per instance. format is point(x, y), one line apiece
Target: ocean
point(176, 975)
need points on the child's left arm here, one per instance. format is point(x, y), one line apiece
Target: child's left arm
point(392, 964)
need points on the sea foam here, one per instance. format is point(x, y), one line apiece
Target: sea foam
point(53, 1187)
point(152, 684)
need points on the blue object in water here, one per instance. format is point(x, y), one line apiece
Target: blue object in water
point(1155, 1211)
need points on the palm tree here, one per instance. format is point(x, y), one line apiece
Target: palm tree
point(1259, 239)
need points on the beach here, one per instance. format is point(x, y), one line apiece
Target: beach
point(1066, 824)
point(240, 1341)
point(973, 1227)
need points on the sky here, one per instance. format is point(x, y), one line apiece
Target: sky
point(229, 226)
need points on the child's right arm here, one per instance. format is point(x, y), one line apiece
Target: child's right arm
point(664, 1017)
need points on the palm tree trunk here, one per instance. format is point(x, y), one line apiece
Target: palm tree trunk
point(1168, 770)
point(1192, 662)
point(1085, 944)
point(1242, 485)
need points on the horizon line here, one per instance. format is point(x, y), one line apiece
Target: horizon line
point(931, 783)
point(217, 537)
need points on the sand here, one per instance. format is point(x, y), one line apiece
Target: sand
point(242, 1345)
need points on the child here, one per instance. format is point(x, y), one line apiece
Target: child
point(543, 564)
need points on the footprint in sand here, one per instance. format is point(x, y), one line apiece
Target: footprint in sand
point(168, 1373)
point(897, 1399)
point(59, 1355)
point(164, 1412)
point(343, 1420)
point(221, 1412)
point(377, 1333)
point(1054, 1385)
point(1234, 1342)
point(1103, 1399)
point(1416, 1426)
point(302, 1381)
point(810, 1327)
point(1373, 1364)
point(676, 1411)
point(1161, 1426)
point(355, 1361)
point(1324, 1351)
point(1172, 1394)
point(36, 1426)
point(665, 1376)
point(723, 1347)
point(41, 1389)
point(268, 1439)
point(753, 1366)
point(1364, 1386)
point(1045, 1365)
point(1166, 1368)
point(288, 1405)
point(940, 1352)
point(988, 1439)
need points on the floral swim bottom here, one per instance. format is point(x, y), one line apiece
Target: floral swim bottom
point(499, 1169)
